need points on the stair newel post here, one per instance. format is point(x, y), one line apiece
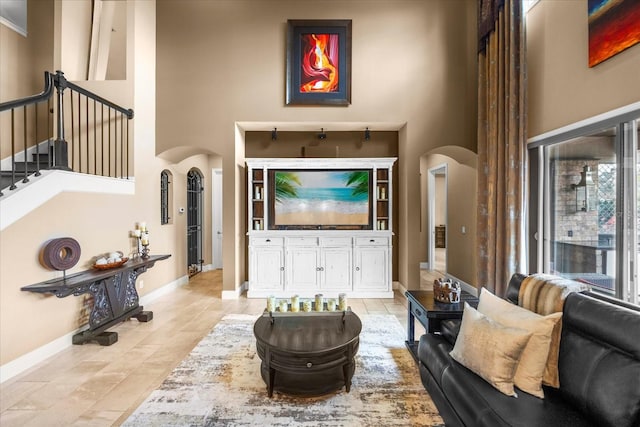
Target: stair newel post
point(60, 157)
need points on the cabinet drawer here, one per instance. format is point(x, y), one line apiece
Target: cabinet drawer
point(335, 241)
point(372, 241)
point(267, 241)
point(302, 241)
point(419, 314)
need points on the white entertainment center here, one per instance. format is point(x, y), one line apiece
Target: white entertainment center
point(328, 258)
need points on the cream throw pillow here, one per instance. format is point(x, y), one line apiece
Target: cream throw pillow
point(530, 370)
point(489, 349)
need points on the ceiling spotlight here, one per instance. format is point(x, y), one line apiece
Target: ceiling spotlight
point(274, 134)
point(367, 134)
point(322, 135)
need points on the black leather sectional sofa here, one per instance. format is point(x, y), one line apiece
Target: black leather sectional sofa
point(599, 366)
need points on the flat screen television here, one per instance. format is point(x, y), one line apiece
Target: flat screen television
point(322, 199)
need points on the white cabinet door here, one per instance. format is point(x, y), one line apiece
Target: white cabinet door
point(302, 273)
point(267, 268)
point(371, 268)
point(335, 269)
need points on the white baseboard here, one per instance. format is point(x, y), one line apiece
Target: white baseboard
point(424, 266)
point(29, 360)
point(154, 295)
point(235, 294)
point(400, 288)
point(207, 267)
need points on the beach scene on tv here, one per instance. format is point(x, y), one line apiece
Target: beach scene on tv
point(327, 198)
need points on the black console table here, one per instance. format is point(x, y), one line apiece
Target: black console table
point(114, 293)
point(430, 313)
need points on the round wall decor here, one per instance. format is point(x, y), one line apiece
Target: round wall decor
point(61, 254)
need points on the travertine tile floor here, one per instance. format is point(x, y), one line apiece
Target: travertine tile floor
point(90, 385)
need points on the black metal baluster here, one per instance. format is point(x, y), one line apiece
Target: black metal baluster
point(79, 135)
point(95, 140)
point(37, 141)
point(13, 150)
point(109, 151)
point(49, 134)
point(86, 108)
point(73, 130)
point(24, 141)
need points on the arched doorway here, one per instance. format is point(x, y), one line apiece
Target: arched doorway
point(195, 190)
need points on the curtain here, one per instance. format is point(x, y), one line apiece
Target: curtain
point(501, 143)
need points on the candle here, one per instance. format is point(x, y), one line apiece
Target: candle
point(319, 302)
point(137, 233)
point(295, 303)
point(145, 239)
point(342, 302)
point(284, 305)
point(331, 304)
point(306, 305)
point(143, 226)
point(271, 303)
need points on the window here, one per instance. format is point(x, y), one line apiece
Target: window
point(165, 197)
point(586, 192)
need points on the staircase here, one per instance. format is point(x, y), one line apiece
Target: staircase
point(39, 161)
point(98, 132)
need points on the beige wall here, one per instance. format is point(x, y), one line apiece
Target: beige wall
point(222, 62)
point(100, 223)
point(219, 63)
point(23, 61)
point(562, 88)
point(461, 212)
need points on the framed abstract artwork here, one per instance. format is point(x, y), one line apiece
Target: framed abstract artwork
point(319, 62)
point(614, 25)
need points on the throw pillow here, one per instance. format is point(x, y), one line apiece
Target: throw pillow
point(489, 349)
point(545, 294)
point(531, 369)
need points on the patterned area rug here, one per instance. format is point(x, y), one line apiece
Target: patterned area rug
point(219, 384)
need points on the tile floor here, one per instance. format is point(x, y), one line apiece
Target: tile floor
point(90, 385)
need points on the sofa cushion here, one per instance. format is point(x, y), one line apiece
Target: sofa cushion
point(530, 370)
point(545, 294)
point(478, 404)
point(450, 329)
point(489, 349)
point(600, 360)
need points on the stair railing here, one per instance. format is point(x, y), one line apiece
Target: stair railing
point(98, 130)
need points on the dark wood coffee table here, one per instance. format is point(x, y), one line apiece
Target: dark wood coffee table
point(430, 313)
point(307, 354)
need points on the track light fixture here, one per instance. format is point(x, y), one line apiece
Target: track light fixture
point(367, 134)
point(274, 134)
point(322, 134)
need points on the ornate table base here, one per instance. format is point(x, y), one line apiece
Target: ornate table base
point(114, 295)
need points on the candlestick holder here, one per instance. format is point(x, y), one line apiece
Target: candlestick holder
point(144, 241)
point(145, 251)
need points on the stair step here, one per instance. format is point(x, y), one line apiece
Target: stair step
point(31, 167)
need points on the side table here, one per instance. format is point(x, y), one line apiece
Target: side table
point(430, 313)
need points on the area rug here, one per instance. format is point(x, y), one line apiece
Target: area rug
point(219, 384)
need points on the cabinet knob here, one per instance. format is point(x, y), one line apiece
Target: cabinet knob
point(372, 241)
point(309, 364)
point(268, 240)
point(357, 268)
point(281, 268)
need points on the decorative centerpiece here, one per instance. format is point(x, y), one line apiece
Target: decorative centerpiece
point(444, 290)
point(111, 260)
